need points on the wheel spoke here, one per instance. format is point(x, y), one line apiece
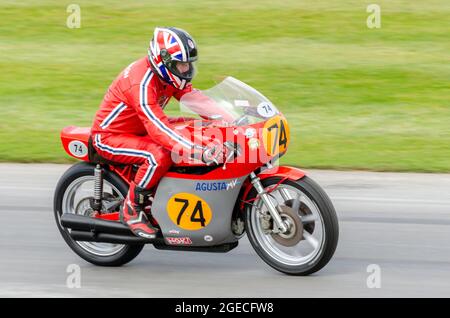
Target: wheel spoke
point(285, 195)
point(296, 253)
point(293, 251)
point(309, 218)
point(112, 205)
point(296, 203)
point(311, 239)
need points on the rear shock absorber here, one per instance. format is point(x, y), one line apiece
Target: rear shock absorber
point(98, 189)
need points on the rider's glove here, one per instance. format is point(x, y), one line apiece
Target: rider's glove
point(214, 153)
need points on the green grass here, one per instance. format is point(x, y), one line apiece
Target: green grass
point(355, 98)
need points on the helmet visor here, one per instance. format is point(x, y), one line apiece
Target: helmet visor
point(184, 70)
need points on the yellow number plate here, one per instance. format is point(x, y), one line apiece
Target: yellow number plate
point(188, 211)
point(276, 135)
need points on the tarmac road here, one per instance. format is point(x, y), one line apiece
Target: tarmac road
point(398, 221)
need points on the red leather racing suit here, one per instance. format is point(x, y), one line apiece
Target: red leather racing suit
point(131, 128)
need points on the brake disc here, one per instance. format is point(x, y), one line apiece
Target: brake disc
point(84, 208)
point(295, 228)
point(303, 211)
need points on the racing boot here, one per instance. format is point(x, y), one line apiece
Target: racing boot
point(132, 213)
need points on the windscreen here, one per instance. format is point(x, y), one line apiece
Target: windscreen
point(232, 101)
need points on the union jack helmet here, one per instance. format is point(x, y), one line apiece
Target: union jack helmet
point(168, 47)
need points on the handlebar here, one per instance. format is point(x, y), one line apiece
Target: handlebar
point(232, 151)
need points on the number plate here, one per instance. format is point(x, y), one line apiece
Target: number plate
point(78, 148)
point(188, 211)
point(276, 135)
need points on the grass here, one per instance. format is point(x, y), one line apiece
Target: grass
point(356, 98)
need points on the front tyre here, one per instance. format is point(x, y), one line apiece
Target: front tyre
point(313, 226)
point(72, 195)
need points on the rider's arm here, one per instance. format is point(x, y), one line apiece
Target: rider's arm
point(156, 121)
point(201, 104)
point(178, 94)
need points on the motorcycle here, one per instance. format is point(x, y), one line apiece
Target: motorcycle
point(204, 207)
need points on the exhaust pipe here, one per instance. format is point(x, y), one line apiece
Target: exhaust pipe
point(87, 229)
point(88, 224)
point(108, 238)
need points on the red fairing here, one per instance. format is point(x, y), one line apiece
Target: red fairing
point(75, 141)
point(291, 173)
point(248, 160)
point(285, 172)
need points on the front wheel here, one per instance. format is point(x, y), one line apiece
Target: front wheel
point(313, 231)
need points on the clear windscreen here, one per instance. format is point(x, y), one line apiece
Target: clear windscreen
point(231, 101)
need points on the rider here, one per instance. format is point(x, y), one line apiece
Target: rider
point(131, 128)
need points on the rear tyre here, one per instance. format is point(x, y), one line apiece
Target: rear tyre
point(70, 197)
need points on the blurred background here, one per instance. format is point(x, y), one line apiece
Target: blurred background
point(356, 98)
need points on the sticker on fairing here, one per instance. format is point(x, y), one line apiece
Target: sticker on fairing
point(78, 148)
point(178, 241)
point(250, 132)
point(189, 211)
point(276, 135)
point(266, 110)
point(241, 103)
point(208, 238)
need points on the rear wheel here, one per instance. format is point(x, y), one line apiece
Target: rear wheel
point(72, 195)
point(313, 232)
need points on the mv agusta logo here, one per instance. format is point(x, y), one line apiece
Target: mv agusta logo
point(216, 186)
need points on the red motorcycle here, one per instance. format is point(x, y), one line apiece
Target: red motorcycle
point(289, 220)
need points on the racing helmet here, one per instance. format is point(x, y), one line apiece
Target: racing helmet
point(168, 48)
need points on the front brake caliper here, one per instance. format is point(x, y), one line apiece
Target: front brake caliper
point(266, 222)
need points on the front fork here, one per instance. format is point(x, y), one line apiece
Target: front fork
point(280, 225)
